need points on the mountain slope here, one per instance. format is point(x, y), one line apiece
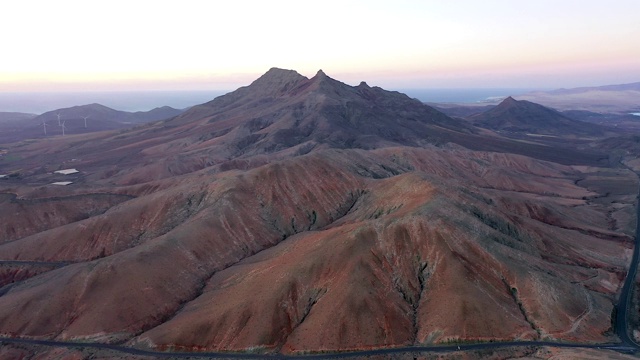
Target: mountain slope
point(527, 117)
point(359, 255)
point(281, 114)
point(99, 118)
point(104, 117)
point(285, 109)
point(15, 117)
point(159, 113)
point(461, 111)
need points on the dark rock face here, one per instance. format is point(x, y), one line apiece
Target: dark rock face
point(282, 109)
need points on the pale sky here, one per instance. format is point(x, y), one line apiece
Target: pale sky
point(75, 45)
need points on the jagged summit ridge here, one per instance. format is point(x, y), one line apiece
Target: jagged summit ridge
point(277, 81)
point(283, 82)
point(283, 110)
point(279, 75)
point(508, 100)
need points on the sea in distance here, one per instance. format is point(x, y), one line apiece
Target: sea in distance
point(41, 102)
point(475, 95)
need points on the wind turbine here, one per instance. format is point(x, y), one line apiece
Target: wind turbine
point(58, 115)
point(44, 125)
point(85, 121)
point(62, 125)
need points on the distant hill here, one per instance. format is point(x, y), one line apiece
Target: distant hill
point(15, 117)
point(527, 117)
point(98, 118)
point(13, 123)
point(159, 113)
point(459, 110)
point(622, 87)
point(619, 99)
point(619, 121)
point(100, 113)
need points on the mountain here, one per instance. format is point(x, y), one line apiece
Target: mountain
point(99, 118)
point(460, 111)
point(159, 113)
point(15, 117)
point(284, 114)
point(617, 99)
point(12, 124)
point(309, 112)
point(621, 87)
point(300, 215)
point(526, 117)
point(622, 122)
point(105, 116)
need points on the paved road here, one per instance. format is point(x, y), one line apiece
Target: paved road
point(622, 328)
point(388, 351)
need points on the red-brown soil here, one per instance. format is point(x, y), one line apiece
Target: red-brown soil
point(33, 216)
point(357, 257)
point(16, 272)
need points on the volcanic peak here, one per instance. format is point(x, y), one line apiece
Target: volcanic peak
point(321, 77)
point(277, 81)
point(509, 100)
point(278, 74)
point(522, 105)
point(327, 86)
point(525, 116)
